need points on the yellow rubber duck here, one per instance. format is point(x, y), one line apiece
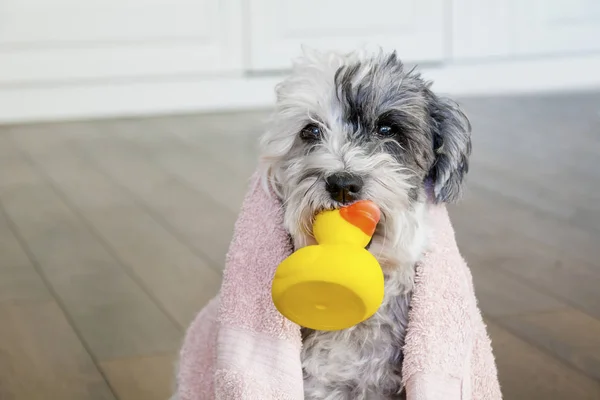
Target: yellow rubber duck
point(336, 283)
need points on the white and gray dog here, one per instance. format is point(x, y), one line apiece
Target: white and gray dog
point(360, 126)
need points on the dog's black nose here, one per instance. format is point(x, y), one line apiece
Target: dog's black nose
point(344, 187)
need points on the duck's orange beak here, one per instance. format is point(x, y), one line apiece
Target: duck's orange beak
point(363, 214)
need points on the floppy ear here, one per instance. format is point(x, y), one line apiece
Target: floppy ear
point(452, 148)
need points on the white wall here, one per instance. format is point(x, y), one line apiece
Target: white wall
point(70, 58)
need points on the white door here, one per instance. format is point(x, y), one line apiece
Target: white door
point(505, 28)
point(556, 26)
point(74, 40)
point(278, 28)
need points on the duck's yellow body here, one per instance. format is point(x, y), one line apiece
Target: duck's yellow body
point(337, 283)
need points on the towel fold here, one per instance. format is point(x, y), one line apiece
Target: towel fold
point(240, 347)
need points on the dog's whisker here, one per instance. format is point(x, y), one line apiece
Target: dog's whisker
point(311, 187)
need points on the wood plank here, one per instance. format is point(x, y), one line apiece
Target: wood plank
point(115, 317)
point(39, 138)
point(42, 357)
point(192, 165)
point(197, 219)
point(234, 144)
point(500, 294)
point(527, 373)
point(19, 281)
point(568, 283)
point(180, 281)
point(529, 223)
point(487, 243)
point(575, 205)
point(527, 157)
point(147, 378)
point(532, 117)
point(177, 278)
point(223, 185)
point(569, 335)
point(12, 171)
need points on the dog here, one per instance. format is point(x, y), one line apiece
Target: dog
point(359, 126)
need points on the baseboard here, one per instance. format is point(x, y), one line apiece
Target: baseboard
point(526, 76)
point(191, 94)
point(114, 99)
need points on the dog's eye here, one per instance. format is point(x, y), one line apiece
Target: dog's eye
point(386, 131)
point(310, 132)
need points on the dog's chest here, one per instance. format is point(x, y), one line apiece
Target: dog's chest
point(363, 362)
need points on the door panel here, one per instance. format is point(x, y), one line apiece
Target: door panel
point(556, 26)
point(415, 28)
point(509, 28)
point(76, 39)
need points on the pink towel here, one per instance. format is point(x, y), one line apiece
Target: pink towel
point(240, 347)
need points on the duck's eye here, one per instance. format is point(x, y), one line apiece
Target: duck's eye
point(385, 130)
point(310, 132)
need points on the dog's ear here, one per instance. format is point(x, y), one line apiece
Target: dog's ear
point(452, 147)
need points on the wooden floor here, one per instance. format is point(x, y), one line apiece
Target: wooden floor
point(113, 235)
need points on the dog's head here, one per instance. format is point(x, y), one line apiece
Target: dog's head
point(350, 127)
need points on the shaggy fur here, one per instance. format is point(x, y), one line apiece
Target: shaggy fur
point(364, 115)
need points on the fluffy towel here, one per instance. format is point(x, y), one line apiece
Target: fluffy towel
point(240, 347)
